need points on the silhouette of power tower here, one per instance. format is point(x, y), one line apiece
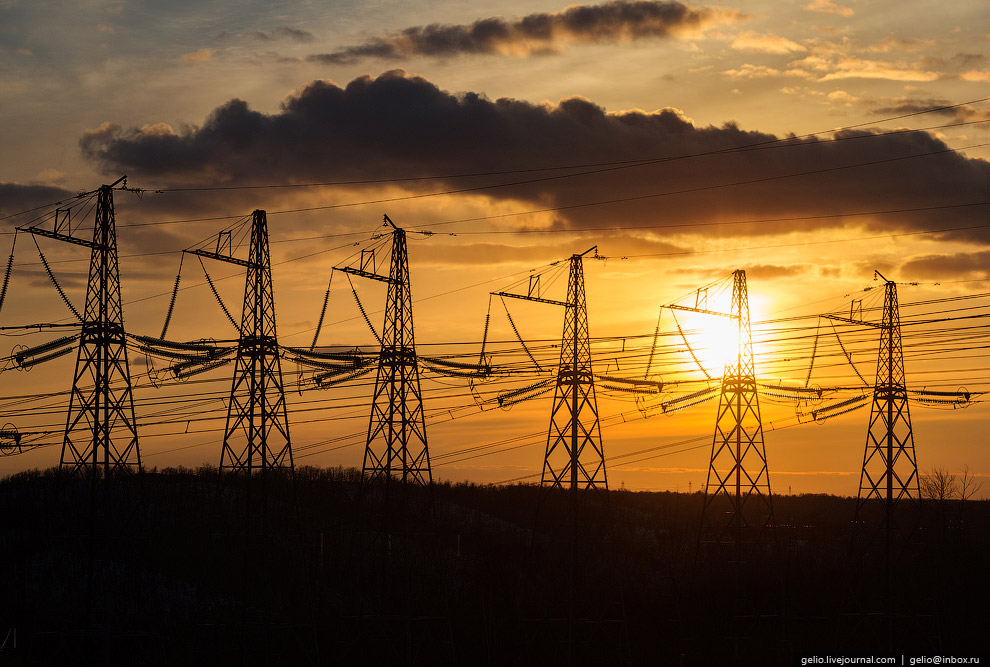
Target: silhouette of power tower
point(574, 462)
point(888, 504)
point(400, 616)
point(256, 437)
point(100, 430)
point(396, 446)
point(890, 467)
point(575, 458)
point(738, 503)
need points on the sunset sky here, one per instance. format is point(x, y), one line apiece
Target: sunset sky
point(521, 133)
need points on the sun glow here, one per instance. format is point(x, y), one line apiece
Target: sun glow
point(708, 335)
point(713, 340)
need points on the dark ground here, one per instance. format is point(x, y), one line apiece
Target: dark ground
point(163, 569)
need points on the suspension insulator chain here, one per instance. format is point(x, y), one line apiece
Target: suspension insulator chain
point(213, 289)
point(51, 275)
point(364, 313)
point(520, 338)
point(6, 275)
point(814, 351)
point(689, 349)
point(323, 312)
point(484, 335)
point(848, 356)
point(175, 293)
point(653, 348)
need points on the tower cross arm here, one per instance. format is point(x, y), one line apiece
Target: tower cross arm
point(61, 237)
point(593, 248)
point(532, 298)
point(674, 306)
point(364, 274)
point(222, 258)
point(849, 320)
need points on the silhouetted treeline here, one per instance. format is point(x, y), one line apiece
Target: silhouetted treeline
point(173, 567)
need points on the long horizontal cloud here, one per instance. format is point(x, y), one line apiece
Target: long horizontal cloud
point(615, 21)
point(961, 265)
point(616, 245)
point(280, 33)
point(936, 107)
point(17, 197)
point(404, 126)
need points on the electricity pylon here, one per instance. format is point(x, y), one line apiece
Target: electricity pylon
point(575, 457)
point(890, 467)
point(256, 437)
point(738, 503)
point(889, 479)
point(396, 447)
point(100, 430)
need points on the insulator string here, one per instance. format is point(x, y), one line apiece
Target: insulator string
point(688, 345)
point(848, 356)
point(520, 338)
point(58, 287)
point(484, 335)
point(175, 293)
point(213, 289)
point(10, 266)
point(653, 347)
point(323, 312)
point(814, 350)
point(364, 313)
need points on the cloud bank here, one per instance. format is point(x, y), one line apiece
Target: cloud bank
point(400, 126)
point(18, 197)
point(936, 107)
point(542, 33)
point(975, 265)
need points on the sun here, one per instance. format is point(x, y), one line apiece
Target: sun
point(713, 340)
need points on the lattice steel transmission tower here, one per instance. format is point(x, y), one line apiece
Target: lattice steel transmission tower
point(575, 458)
point(396, 447)
point(573, 467)
point(738, 503)
point(101, 437)
point(890, 467)
point(256, 438)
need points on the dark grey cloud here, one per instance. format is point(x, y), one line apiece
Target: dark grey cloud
point(615, 21)
point(281, 33)
point(944, 267)
point(958, 61)
point(758, 271)
point(400, 126)
point(615, 246)
point(776, 271)
point(25, 205)
point(18, 197)
point(936, 107)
